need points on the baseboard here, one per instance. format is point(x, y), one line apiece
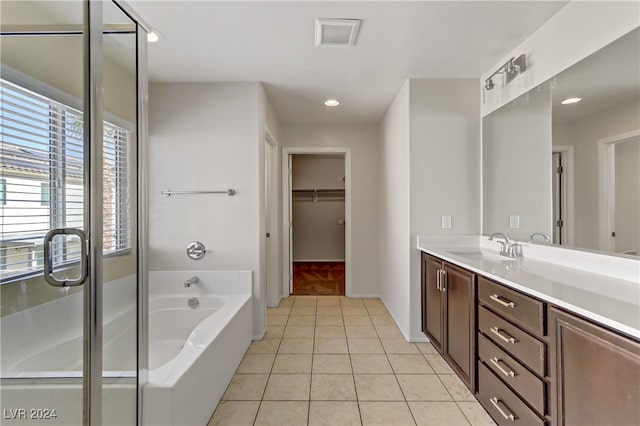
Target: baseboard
point(419, 339)
point(259, 336)
point(364, 295)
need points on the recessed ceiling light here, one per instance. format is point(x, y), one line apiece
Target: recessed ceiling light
point(332, 102)
point(571, 101)
point(153, 36)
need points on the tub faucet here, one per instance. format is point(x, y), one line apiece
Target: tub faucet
point(191, 280)
point(508, 248)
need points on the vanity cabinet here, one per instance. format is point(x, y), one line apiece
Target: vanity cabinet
point(448, 314)
point(597, 373)
point(513, 377)
point(535, 363)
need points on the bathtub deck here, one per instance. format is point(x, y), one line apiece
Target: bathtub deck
point(336, 361)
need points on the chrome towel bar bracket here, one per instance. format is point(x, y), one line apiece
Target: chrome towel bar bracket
point(167, 192)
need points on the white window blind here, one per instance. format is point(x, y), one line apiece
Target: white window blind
point(42, 150)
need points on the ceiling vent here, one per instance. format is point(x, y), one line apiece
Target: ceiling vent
point(337, 32)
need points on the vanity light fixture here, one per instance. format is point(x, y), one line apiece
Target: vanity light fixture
point(569, 101)
point(153, 36)
point(511, 69)
point(332, 102)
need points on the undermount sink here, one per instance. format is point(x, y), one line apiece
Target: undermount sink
point(480, 255)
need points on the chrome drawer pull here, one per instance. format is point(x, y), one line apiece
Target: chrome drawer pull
point(443, 280)
point(495, 401)
point(495, 361)
point(504, 336)
point(501, 300)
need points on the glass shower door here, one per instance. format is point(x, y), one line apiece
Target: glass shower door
point(43, 178)
point(67, 231)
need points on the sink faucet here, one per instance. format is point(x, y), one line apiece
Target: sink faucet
point(547, 239)
point(508, 248)
point(191, 280)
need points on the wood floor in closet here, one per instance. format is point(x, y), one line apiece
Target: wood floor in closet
point(318, 278)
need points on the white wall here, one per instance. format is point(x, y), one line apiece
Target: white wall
point(364, 142)
point(206, 136)
point(395, 241)
point(584, 135)
point(516, 173)
point(575, 32)
point(444, 164)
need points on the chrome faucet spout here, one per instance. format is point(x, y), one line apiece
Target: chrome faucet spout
point(545, 237)
point(508, 248)
point(191, 281)
point(500, 234)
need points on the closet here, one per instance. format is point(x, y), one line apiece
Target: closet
point(318, 231)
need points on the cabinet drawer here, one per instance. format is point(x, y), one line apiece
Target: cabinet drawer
point(522, 309)
point(524, 347)
point(505, 407)
point(513, 373)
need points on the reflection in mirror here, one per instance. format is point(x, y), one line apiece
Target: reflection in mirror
point(605, 123)
point(516, 154)
point(570, 170)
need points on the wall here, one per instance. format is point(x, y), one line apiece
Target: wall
point(363, 140)
point(318, 234)
point(584, 135)
point(395, 241)
point(576, 31)
point(444, 164)
point(627, 217)
point(516, 174)
point(206, 136)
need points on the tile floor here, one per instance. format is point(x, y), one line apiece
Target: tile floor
point(330, 360)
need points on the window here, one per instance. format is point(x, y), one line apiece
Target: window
point(42, 170)
point(3, 192)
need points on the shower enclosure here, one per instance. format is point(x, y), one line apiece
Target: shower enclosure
point(73, 95)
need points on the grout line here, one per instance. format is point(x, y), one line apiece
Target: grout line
point(313, 347)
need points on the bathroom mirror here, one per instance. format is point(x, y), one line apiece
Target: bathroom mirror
point(570, 170)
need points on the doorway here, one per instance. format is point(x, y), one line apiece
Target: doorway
point(619, 193)
point(317, 210)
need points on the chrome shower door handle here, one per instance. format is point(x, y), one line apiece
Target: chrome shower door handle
point(48, 258)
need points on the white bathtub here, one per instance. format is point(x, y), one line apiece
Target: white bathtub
point(193, 353)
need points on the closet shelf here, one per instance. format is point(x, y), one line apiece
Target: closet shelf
point(318, 190)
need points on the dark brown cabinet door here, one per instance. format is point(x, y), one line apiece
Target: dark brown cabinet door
point(597, 373)
point(460, 321)
point(432, 300)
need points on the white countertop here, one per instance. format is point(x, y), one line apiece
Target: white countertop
point(605, 289)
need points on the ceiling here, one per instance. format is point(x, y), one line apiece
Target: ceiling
point(273, 42)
